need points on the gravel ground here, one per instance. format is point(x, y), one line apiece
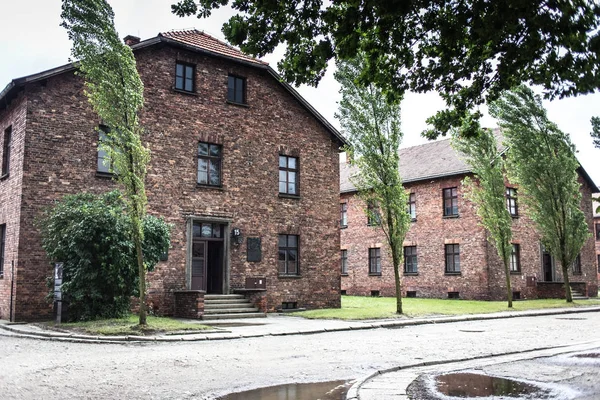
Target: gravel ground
point(33, 369)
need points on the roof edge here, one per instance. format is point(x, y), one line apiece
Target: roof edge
point(438, 176)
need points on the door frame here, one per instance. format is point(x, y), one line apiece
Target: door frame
point(226, 248)
point(543, 251)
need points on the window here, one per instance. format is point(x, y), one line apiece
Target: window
point(373, 214)
point(412, 205)
point(184, 77)
point(288, 175)
point(598, 263)
point(452, 258)
point(209, 164)
point(2, 247)
point(410, 259)
point(288, 255)
point(515, 258)
point(450, 202)
point(343, 215)
point(511, 201)
point(597, 231)
point(236, 89)
point(6, 151)
point(104, 163)
point(577, 265)
point(454, 295)
point(375, 261)
point(411, 293)
point(344, 262)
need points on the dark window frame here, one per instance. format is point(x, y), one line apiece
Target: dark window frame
point(102, 155)
point(374, 261)
point(451, 266)
point(184, 77)
point(373, 214)
point(210, 160)
point(2, 248)
point(515, 259)
point(450, 195)
point(411, 265)
point(577, 265)
point(287, 169)
point(285, 271)
point(6, 150)
point(597, 226)
point(412, 205)
point(343, 215)
point(237, 80)
point(598, 263)
point(344, 261)
point(511, 202)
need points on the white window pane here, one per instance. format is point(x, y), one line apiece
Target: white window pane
point(292, 162)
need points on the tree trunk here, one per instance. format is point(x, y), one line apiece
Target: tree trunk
point(508, 287)
point(565, 271)
point(396, 262)
point(141, 270)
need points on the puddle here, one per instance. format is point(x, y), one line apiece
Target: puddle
point(468, 385)
point(335, 390)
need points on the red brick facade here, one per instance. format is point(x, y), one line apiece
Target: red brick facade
point(481, 270)
point(55, 153)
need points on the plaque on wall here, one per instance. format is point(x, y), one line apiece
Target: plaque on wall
point(253, 249)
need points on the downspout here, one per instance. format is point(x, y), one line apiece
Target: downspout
point(12, 285)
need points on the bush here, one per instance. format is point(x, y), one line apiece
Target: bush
point(91, 235)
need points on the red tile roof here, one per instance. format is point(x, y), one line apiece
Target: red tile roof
point(196, 38)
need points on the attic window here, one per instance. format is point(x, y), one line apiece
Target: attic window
point(236, 89)
point(184, 77)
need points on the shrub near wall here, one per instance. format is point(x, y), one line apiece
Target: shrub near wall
point(91, 235)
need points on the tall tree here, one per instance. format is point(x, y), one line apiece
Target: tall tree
point(466, 50)
point(116, 92)
point(487, 192)
point(541, 160)
point(372, 126)
point(596, 137)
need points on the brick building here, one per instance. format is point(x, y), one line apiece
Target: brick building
point(243, 167)
point(447, 253)
point(597, 235)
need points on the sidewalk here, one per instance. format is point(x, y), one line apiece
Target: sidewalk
point(273, 325)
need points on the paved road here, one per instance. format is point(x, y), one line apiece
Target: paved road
point(33, 369)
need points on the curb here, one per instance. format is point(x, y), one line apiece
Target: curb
point(77, 338)
point(354, 391)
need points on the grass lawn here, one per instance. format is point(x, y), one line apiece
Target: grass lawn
point(355, 307)
point(128, 326)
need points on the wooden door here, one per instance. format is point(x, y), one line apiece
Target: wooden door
point(199, 265)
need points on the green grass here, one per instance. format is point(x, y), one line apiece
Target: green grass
point(129, 326)
point(355, 307)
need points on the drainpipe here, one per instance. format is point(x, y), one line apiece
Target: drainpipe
point(12, 280)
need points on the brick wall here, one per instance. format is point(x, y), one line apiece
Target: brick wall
point(10, 192)
point(61, 159)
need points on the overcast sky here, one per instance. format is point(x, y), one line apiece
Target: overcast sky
point(32, 41)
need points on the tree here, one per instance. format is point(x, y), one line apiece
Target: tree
point(116, 92)
point(488, 193)
point(372, 126)
point(91, 235)
point(469, 51)
point(541, 160)
point(596, 137)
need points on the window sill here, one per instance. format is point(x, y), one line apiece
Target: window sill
point(344, 274)
point(411, 274)
point(452, 273)
point(450, 216)
point(210, 187)
point(3, 177)
point(413, 220)
point(104, 175)
point(374, 225)
point(235, 103)
point(577, 273)
point(516, 273)
point(516, 216)
point(343, 226)
point(285, 276)
point(185, 92)
point(289, 196)
point(374, 273)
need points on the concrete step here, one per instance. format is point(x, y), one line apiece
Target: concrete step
point(209, 317)
point(226, 301)
point(580, 297)
point(223, 296)
point(228, 305)
point(231, 310)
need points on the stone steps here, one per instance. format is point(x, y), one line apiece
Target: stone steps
point(229, 306)
point(578, 295)
point(210, 317)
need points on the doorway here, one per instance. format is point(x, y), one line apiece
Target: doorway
point(208, 257)
point(547, 266)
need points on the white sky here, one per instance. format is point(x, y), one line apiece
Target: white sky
point(31, 41)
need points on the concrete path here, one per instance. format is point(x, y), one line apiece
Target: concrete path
point(274, 325)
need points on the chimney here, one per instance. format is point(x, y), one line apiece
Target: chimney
point(130, 40)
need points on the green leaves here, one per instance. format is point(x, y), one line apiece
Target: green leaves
point(91, 236)
point(469, 51)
